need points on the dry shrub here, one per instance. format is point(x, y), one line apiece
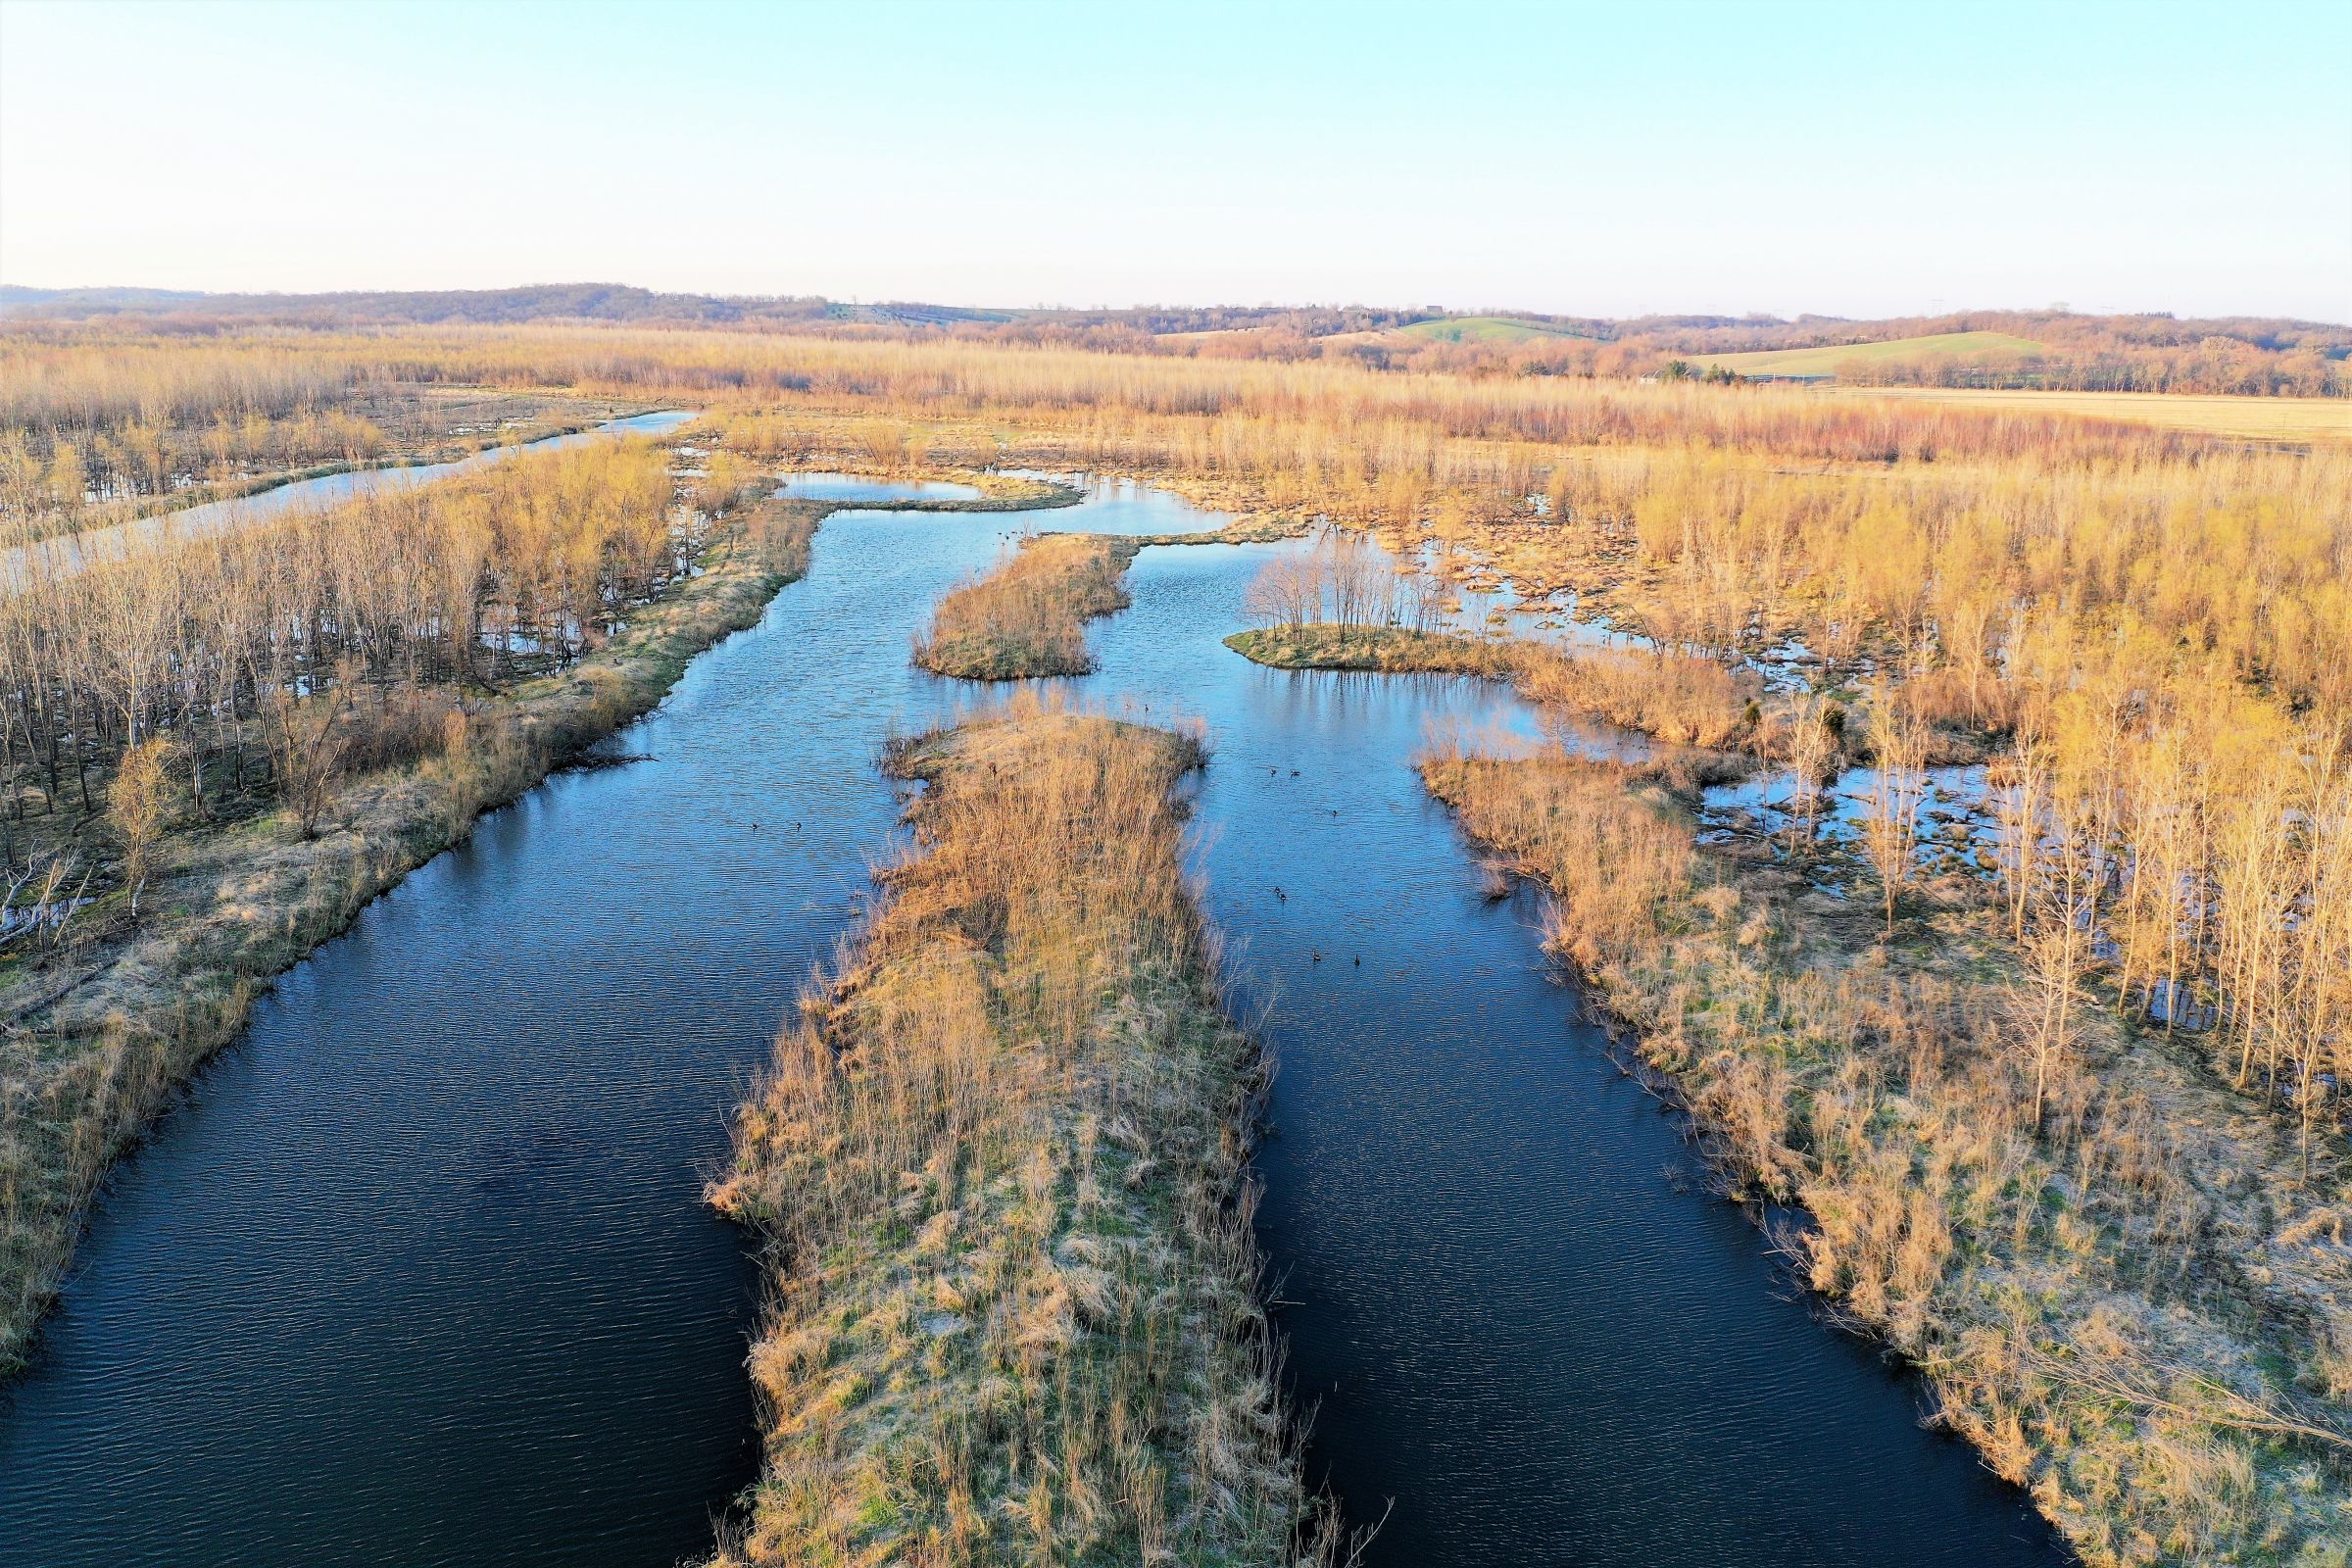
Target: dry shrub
point(400, 727)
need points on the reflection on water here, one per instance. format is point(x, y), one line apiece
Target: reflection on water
point(866, 487)
point(420, 1276)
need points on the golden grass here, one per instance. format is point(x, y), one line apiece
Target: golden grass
point(2084, 1295)
point(1028, 616)
point(2243, 417)
point(1685, 701)
point(996, 1166)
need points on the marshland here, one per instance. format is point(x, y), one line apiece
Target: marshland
point(2048, 1121)
point(641, 927)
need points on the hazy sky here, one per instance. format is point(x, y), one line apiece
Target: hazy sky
point(1858, 160)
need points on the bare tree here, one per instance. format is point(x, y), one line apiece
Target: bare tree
point(306, 744)
point(1898, 743)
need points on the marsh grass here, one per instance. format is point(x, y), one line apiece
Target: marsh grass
point(998, 1169)
point(1683, 701)
point(1395, 650)
point(2087, 1284)
point(100, 1026)
point(1027, 617)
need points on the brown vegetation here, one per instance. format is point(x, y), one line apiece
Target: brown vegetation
point(277, 723)
point(2106, 1269)
point(97, 425)
point(998, 1166)
point(1028, 616)
point(2143, 1037)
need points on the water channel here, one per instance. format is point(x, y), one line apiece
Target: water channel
point(418, 1273)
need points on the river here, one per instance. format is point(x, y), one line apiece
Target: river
point(418, 1273)
point(68, 553)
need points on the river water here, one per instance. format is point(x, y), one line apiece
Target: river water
point(71, 553)
point(418, 1273)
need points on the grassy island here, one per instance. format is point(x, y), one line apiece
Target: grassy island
point(1028, 618)
point(997, 1165)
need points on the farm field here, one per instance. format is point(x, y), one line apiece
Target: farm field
point(1485, 329)
point(1826, 359)
point(2247, 418)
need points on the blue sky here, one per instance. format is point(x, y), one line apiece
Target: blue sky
point(1857, 159)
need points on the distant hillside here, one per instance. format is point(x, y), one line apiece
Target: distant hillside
point(1493, 329)
point(15, 298)
point(598, 302)
point(1824, 362)
point(2053, 350)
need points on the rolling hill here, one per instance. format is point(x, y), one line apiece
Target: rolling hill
point(1823, 360)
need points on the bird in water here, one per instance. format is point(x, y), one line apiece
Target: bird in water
point(1280, 896)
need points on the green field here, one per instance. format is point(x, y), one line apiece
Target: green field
point(1485, 329)
point(1824, 361)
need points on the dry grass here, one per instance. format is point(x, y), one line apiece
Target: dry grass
point(99, 1026)
point(2113, 1305)
point(998, 1166)
point(1685, 701)
point(1690, 701)
point(1028, 616)
point(2243, 417)
point(1397, 650)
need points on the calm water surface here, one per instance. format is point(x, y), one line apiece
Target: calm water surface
point(71, 553)
point(419, 1274)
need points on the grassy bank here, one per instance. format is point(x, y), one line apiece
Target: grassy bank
point(998, 1169)
point(103, 1023)
point(439, 447)
point(2074, 1247)
point(1688, 701)
point(1395, 650)
point(1028, 616)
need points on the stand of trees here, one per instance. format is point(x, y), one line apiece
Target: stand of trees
point(276, 650)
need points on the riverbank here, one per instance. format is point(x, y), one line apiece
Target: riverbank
point(103, 1025)
point(447, 449)
point(1393, 649)
point(998, 1166)
point(2106, 1306)
point(1689, 703)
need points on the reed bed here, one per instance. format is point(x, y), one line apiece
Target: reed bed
point(2114, 1281)
point(1028, 616)
point(996, 1167)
